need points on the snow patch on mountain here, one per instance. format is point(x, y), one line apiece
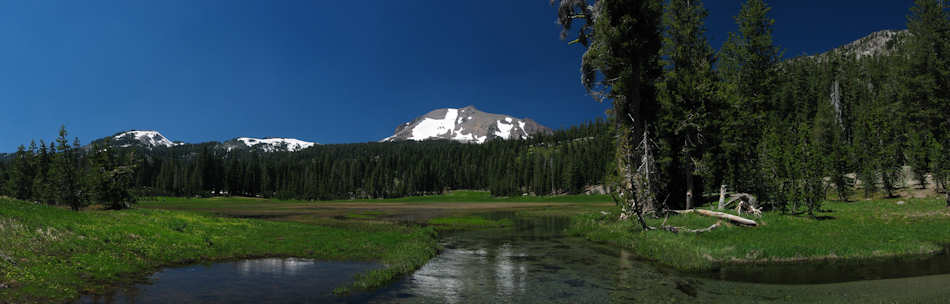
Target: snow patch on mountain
point(429, 127)
point(276, 144)
point(146, 138)
point(466, 125)
point(504, 128)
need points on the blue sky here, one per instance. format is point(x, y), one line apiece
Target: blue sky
point(325, 71)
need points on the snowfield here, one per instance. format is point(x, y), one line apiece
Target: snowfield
point(148, 138)
point(429, 128)
point(504, 128)
point(277, 144)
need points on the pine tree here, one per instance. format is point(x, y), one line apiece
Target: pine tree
point(918, 155)
point(929, 87)
point(829, 128)
point(748, 67)
point(941, 155)
point(20, 182)
point(68, 186)
point(687, 91)
point(42, 184)
point(109, 180)
point(621, 64)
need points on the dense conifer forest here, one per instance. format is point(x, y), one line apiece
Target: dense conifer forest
point(790, 132)
point(566, 161)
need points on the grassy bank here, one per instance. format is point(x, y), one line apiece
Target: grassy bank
point(51, 254)
point(853, 231)
point(337, 213)
point(468, 222)
point(460, 196)
point(469, 196)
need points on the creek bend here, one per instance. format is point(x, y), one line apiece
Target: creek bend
point(534, 262)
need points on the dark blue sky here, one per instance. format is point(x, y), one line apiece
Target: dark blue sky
point(331, 72)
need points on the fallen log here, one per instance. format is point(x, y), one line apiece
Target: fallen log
point(682, 229)
point(725, 216)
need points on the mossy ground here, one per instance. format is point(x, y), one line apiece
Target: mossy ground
point(51, 254)
point(852, 231)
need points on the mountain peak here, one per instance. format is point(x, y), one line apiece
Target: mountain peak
point(146, 138)
point(877, 43)
point(467, 124)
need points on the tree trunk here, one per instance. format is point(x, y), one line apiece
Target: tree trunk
point(722, 197)
point(689, 187)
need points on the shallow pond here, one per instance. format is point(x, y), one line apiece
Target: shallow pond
point(274, 280)
point(532, 263)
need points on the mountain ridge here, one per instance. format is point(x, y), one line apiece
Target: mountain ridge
point(152, 139)
point(467, 124)
point(882, 42)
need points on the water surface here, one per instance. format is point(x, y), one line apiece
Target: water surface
point(534, 262)
point(275, 280)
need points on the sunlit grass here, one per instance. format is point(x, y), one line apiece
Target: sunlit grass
point(468, 221)
point(849, 232)
point(50, 254)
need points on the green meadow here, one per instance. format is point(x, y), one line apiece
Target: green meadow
point(854, 231)
point(50, 254)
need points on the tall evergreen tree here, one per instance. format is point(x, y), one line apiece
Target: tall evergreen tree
point(42, 183)
point(109, 178)
point(830, 125)
point(748, 68)
point(621, 64)
point(929, 87)
point(68, 186)
point(20, 181)
point(687, 92)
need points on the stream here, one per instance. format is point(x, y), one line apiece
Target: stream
point(533, 262)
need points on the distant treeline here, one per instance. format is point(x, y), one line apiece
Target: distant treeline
point(563, 162)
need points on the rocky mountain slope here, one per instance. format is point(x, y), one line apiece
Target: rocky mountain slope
point(878, 43)
point(154, 139)
point(468, 125)
point(267, 144)
point(146, 139)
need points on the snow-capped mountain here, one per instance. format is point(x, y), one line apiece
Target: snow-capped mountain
point(154, 139)
point(467, 124)
point(148, 139)
point(268, 144)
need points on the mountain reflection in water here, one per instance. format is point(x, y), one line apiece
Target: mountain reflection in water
point(273, 267)
point(274, 280)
